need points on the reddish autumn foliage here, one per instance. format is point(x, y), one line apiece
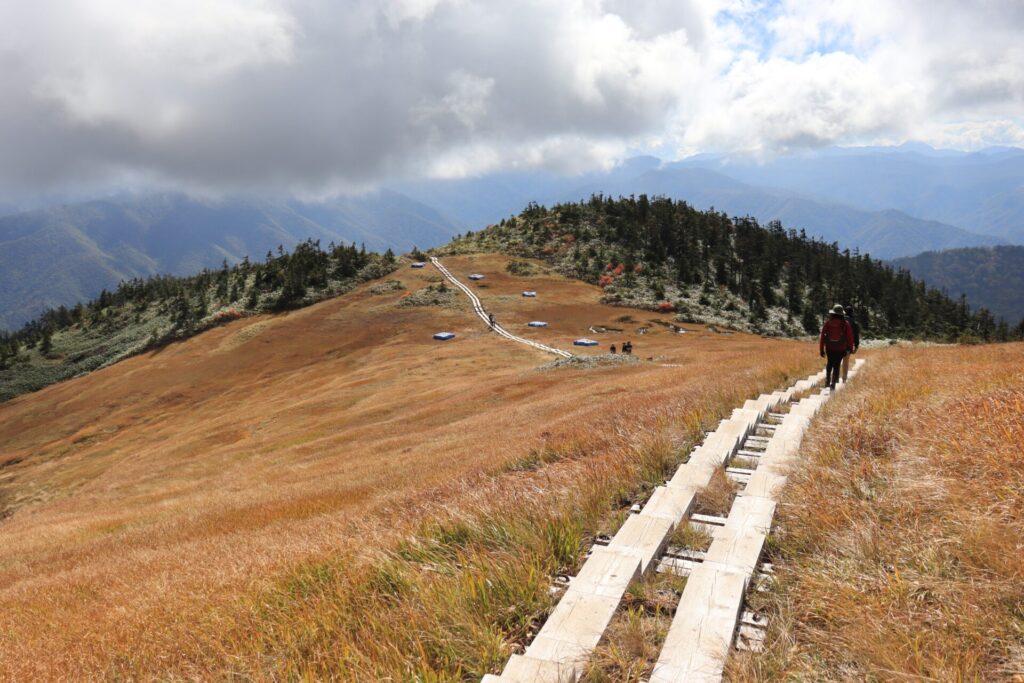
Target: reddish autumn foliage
point(665, 307)
point(230, 314)
point(605, 280)
point(619, 269)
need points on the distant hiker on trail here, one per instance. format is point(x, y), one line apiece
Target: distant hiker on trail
point(836, 341)
point(627, 347)
point(623, 348)
point(856, 340)
point(490, 319)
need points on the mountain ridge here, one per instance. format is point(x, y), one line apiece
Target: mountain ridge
point(992, 277)
point(882, 233)
point(66, 254)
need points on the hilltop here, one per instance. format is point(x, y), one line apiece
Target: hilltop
point(886, 202)
point(661, 254)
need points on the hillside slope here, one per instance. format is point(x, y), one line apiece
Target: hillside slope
point(198, 511)
point(989, 277)
point(143, 315)
point(897, 554)
point(63, 255)
point(665, 255)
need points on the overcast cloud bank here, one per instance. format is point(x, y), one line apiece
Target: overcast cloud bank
point(315, 97)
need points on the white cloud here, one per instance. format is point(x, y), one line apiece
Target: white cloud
point(139, 62)
point(318, 94)
point(806, 73)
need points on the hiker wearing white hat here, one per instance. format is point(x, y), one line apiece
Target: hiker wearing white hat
point(835, 342)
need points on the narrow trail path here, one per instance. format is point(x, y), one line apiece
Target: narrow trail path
point(478, 308)
point(710, 621)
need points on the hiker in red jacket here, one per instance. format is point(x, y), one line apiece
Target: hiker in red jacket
point(836, 341)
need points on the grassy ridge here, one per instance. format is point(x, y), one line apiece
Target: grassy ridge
point(899, 555)
point(444, 591)
point(458, 596)
point(143, 315)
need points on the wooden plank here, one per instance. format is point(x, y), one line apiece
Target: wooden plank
point(738, 545)
point(701, 633)
point(525, 669)
point(644, 536)
point(697, 473)
point(709, 519)
point(609, 570)
point(670, 502)
point(574, 627)
point(765, 483)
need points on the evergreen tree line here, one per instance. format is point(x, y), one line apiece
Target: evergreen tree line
point(766, 266)
point(280, 282)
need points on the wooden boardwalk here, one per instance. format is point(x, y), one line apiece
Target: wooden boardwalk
point(709, 613)
point(478, 308)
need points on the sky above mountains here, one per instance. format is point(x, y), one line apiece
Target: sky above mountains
point(314, 97)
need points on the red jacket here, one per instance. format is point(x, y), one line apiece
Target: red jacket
point(836, 328)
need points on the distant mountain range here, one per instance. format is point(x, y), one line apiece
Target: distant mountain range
point(882, 231)
point(981, 192)
point(990, 277)
point(890, 202)
point(67, 254)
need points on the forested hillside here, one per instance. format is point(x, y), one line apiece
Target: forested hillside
point(142, 314)
point(660, 253)
point(990, 277)
point(66, 254)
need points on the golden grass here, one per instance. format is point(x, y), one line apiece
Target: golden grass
point(338, 497)
point(716, 498)
point(900, 555)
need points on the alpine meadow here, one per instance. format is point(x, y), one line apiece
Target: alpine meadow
point(457, 341)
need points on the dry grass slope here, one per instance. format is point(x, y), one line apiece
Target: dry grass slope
point(900, 547)
point(328, 494)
